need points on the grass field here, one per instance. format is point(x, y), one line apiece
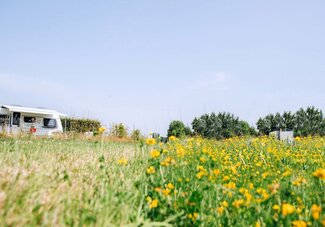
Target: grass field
point(235, 182)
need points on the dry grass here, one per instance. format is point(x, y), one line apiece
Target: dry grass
point(68, 182)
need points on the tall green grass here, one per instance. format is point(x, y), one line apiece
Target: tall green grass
point(53, 182)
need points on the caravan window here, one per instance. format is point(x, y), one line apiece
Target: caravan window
point(49, 123)
point(16, 118)
point(29, 119)
point(4, 119)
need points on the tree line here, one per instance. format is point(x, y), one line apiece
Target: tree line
point(304, 122)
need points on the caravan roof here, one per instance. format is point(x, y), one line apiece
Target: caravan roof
point(32, 110)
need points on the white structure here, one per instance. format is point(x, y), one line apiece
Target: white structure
point(286, 136)
point(17, 119)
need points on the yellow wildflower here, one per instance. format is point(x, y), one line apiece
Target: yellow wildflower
point(216, 172)
point(286, 173)
point(287, 209)
point(150, 141)
point(101, 130)
point(172, 138)
point(276, 208)
point(151, 170)
point(230, 185)
point(166, 192)
point(249, 198)
point(320, 173)
point(168, 161)
point(264, 175)
point(243, 190)
point(200, 168)
point(220, 210)
point(274, 188)
point(122, 162)
point(193, 216)
point(154, 154)
point(153, 204)
point(225, 204)
point(299, 181)
point(315, 211)
point(299, 223)
point(226, 178)
point(170, 186)
point(202, 159)
point(238, 203)
point(200, 174)
point(180, 151)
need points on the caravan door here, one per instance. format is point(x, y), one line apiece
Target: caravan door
point(15, 123)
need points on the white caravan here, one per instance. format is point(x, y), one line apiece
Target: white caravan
point(17, 119)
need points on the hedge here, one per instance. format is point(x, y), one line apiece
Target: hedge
point(80, 125)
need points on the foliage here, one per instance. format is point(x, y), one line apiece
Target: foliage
point(66, 181)
point(69, 182)
point(235, 182)
point(309, 122)
point(178, 129)
point(119, 130)
point(80, 125)
point(136, 135)
point(304, 122)
point(220, 126)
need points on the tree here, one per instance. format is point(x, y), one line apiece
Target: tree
point(288, 120)
point(278, 122)
point(263, 126)
point(220, 126)
point(309, 122)
point(136, 134)
point(178, 129)
point(303, 122)
point(119, 130)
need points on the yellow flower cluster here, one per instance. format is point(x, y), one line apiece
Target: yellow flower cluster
point(152, 203)
point(150, 141)
point(122, 161)
point(226, 180)
point(154, 154)
point(151, 170)
point(101, 130)
point(320, 173)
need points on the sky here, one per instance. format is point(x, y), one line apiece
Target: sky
point(146, 63)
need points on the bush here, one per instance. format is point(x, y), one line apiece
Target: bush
point(80, 125)
point(178, 129)
point(136, 134)
point(119, 130)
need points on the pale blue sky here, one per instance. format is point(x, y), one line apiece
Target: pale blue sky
point(145, 63)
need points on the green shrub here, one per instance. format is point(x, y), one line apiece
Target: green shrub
point(178, 129)
point(136, 135)
point(119, 130)
point(80, 125)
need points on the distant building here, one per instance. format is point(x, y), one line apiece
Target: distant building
point(286, 136)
